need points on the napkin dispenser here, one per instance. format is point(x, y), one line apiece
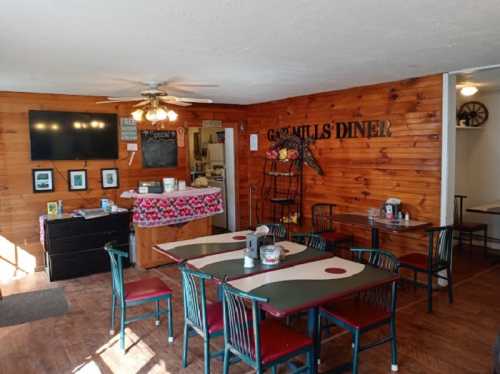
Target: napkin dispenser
point(254, 242)
point(150, 187)
point(257, 239)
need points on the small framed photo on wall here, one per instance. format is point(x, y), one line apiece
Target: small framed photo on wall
point(110, 178)
point(43, 180)
point(77, 180)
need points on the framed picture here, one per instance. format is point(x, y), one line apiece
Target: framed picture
point(77, 180)
point(43, 180)
point(109, 178)
point(52, 208)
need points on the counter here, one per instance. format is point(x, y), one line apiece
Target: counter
point(169, 217)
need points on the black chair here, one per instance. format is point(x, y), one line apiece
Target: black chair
point(368, 309)
point(437, 259)
point(467, 228)
point(322, 221)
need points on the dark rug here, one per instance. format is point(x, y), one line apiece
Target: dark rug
point(32, 306)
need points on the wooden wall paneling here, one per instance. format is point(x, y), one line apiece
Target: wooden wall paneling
point(362, 173)
point(20, 207)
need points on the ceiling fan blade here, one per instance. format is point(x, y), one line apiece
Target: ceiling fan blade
point(142, 103)
point(168, 98)
point(174, 102)
point(193, 100)
point(180, 84)
point(136, 98)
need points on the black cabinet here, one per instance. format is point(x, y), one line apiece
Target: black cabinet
point(74, 247)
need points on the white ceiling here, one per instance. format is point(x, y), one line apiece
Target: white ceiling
point(255, 50)
point(487, 80)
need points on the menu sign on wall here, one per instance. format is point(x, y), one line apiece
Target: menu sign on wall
point(338, 130)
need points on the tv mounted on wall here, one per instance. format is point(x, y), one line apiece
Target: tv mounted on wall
point(73, 135)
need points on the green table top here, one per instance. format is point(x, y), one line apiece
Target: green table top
point(203, 246)
point(303, 286)
point(230, 265)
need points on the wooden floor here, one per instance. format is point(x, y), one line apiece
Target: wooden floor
point(455, 339)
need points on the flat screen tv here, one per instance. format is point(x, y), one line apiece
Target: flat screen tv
point(73, 135)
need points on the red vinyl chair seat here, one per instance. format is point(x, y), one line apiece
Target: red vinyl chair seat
point(277, 340)
point(357, 313)
point(416, 260)
point(215, 317)
point(335, 236)
point(146, 289)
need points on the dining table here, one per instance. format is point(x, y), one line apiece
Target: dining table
point(377, 224)
point(489, 208)
point(302, 281)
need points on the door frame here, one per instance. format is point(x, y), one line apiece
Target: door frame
point(448, 142)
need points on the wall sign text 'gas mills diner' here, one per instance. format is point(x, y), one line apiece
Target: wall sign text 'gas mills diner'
point(339, 130)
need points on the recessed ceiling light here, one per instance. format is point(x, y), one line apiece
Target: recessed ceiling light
point(469, 90)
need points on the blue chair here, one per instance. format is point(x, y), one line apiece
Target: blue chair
point(260, 344)
point(368, 309)
point(311, 240)
point(200, 318)
point(276, 230)
point(150, 290)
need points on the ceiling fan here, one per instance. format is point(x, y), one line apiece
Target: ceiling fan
point(153, 100)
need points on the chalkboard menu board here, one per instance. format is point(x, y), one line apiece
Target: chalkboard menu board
point(159, 149)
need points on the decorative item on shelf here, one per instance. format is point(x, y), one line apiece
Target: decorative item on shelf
point(272, 154)
point(283, 154)
point(77, 180)
point(472, 114)
point(109, 178)
point(294, 218)
point(43, 180)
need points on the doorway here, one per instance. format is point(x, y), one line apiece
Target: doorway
point(471, 157)
point(212, 163)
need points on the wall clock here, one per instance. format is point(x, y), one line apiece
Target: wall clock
point(472, 114)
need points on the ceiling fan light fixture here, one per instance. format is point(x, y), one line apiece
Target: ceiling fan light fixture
point(172, 116)
point(137, 115)
point(469, 90)
point(156, 114)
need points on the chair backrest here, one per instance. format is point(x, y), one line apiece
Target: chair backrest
point(322, 217)
point(242, 334)
point(458, 207)
point(116, 257)
point(376, 257)
point(277, 231)
point(195, 301)
point(384, 295)
point(440, 244)
point(311, 240)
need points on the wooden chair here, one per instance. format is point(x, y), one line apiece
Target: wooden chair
point(322, 221)
point(142, 291)
point(260, 344)
point(368, 309)
point(468, 228)
point(200, 318)
point(437, 259)
point(311, 240)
